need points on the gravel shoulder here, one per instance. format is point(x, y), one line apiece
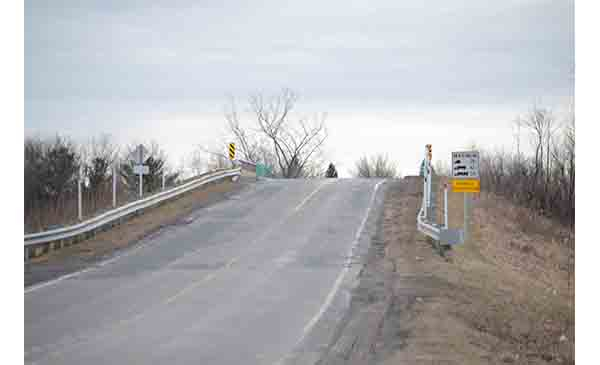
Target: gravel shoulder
point(134, 232)
point(505, 297)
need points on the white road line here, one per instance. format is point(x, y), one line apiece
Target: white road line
point(299, 206)
point(338, 281)
point(132, 250)
point(112, 259)
point(77, 273)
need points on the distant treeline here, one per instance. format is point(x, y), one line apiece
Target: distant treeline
point(543, 180)
point(53, 167)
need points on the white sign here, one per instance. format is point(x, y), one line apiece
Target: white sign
point(465, 165)
point(141, 169)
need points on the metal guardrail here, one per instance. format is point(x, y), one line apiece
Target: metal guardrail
point(246, 162)
point(430, 229)
point(115, 214)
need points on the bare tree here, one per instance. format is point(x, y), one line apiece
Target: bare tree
point(98, 157)
point(376, 166)
point(294, 143)
point(290, 148)
point(543, 181)
point(248, 144)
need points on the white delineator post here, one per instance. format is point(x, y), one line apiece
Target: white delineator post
point(141, 185)
point(425, 185)
point(114, 184)
point(79, 205)
point(163, 180)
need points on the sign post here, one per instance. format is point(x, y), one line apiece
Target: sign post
point(465, 179)
point(139, 168)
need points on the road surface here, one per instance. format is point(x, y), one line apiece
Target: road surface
point(250, 280)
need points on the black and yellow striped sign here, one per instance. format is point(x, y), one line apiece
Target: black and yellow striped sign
point(232, 151)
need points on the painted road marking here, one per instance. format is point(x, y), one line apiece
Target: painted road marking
point(170, 300)
point(299, 206)
point(205, 279)
point(338, 281)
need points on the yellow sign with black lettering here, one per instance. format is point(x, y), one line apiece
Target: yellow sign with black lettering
point(466, 186)
point(232, 151)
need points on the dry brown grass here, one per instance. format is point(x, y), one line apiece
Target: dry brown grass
point(504, 297)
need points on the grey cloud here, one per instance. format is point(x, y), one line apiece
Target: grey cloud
point(102, 49)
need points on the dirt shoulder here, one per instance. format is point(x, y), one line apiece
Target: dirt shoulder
point(109, 243)
point(505, 297)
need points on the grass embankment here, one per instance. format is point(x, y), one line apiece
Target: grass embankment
point(141, 226)
point(507, 296)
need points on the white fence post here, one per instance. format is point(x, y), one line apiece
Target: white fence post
point(79, 205)
point(114, 184)
point(141, 185)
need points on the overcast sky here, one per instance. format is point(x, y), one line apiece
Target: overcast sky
point(392, 75)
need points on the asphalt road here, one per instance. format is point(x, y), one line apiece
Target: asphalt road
point(251, 280)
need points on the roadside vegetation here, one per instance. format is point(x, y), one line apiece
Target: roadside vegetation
point(272, 134)
point(379, 165)
point(513, 282)
point(543, 181)
point(54, 166)
point(506, 295)
point(288, 145)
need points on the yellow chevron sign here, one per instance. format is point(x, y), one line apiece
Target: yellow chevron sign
point(466, 186)
point(232, 151)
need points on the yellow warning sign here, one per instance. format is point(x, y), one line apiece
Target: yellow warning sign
point(232, 151)
point(466, 186)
